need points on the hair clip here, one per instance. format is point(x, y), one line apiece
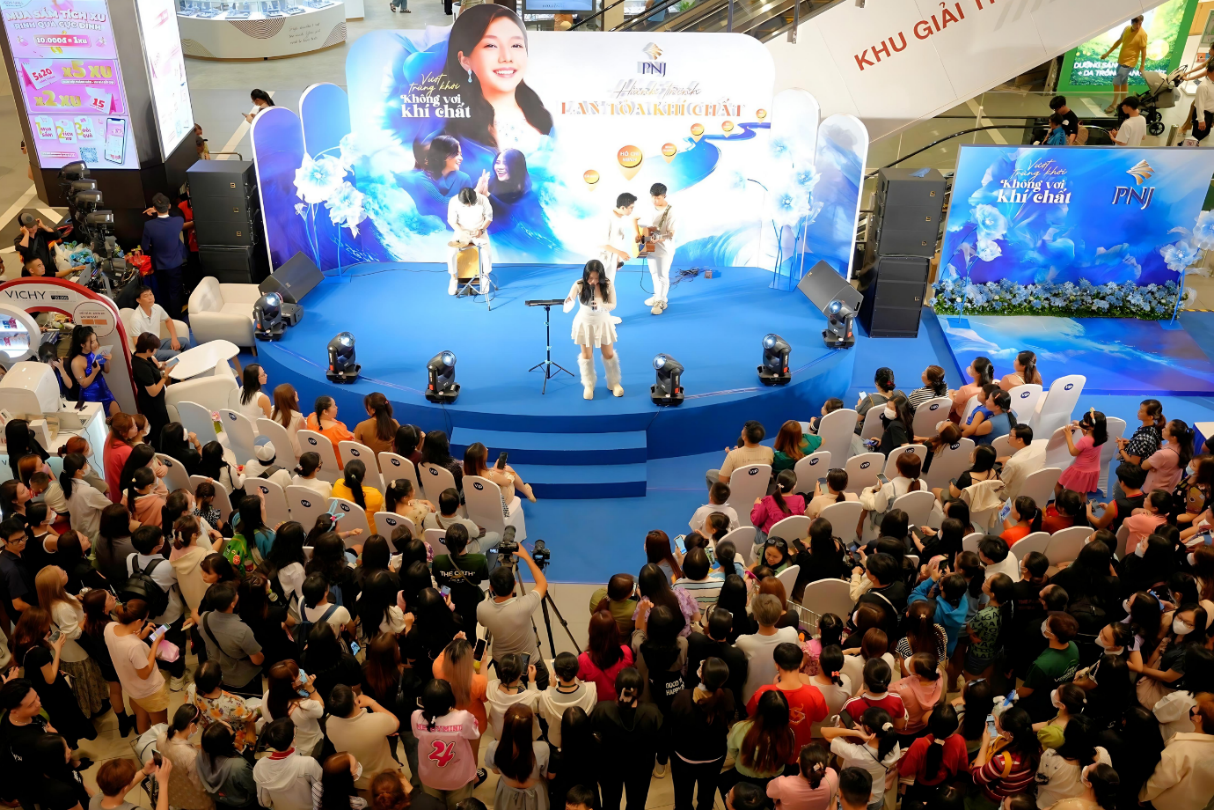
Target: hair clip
point(938, 742)
point(887, 727)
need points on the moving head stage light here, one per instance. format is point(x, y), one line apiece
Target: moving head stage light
point(342, 367)
point(668, 389)
point(774, 370)
point(441, 386)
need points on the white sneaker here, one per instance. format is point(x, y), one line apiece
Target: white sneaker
point(650, 301)
point(657, 308)
point(176, 684)
point(587, 392)
point(453, 287)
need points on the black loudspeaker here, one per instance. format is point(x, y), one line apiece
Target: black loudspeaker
point(245, 264)
point(295, 279)
point(893, 291)
point(908, 213)
point(222, 179)
point(229, 233)
point(822, 284)
point(227, 220)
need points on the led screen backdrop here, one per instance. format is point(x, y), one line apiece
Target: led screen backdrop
point(1167, 31)
point(553, 131)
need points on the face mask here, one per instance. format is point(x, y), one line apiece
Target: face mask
point(1055, 701)
point(891, 414)
point(1045, 629)
point(87, 471)
point(1142, 549)
point(1192, 558)
point(1108, 649)
point(1125, 605)
point(855, 617)
point(1181, 628)
point(185, 435)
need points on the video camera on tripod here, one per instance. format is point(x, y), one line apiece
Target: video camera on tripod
point(509, 547)
point(89, 224)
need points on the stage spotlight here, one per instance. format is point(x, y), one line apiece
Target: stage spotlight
point(840, 328)
point(668, 389)
point(442, 386)
point(268, 323)
point(774, 370)
point(342, 367)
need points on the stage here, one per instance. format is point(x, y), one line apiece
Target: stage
point(401, 316)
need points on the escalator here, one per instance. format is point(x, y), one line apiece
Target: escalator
point(762, 19)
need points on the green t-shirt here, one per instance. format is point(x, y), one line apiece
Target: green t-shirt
point(464, 579)
point(781, 461)
point(621, 611)
point(1052, 667)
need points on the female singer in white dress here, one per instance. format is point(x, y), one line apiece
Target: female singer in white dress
point(592, 326)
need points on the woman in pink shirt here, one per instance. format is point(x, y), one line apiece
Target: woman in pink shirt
point(1143, 523)
point(814, 788)
point(1167, 464)
point(771, 509)
point(981, 372)
point(445, 762)
point(606, 655)
point(1083, 476)
point(920, 692)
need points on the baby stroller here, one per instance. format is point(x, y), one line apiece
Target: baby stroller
point(1161, 94)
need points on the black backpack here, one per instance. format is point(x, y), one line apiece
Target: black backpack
point(140, 585)
point(305, 627)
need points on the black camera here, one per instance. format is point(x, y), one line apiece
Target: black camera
point(509, 546)
point(542, 554)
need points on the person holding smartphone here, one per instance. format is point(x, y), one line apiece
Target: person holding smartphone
point(151, 378)
point(89, 367)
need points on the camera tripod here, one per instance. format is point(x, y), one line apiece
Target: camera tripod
point(544, 603)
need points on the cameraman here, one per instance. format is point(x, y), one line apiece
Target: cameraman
point(508, 617)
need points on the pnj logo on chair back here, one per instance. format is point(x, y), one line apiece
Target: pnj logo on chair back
point(1068, 386)
point(354, 452)
point(311, 441)
point(478, 485)
point(264, 489)
point(814, 461)
point(1026, 394)
point(864, 465)
point(344, 508)
point(306, 504)
point(753, 471)
point(935, 406)
point(909, 450)
point(232, 416)
point(954, 446)
point(432, 470)
point(395, 463)
point(390, 521)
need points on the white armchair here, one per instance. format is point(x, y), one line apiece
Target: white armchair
point(223, 312)
point(211, 392)
point(183, 330)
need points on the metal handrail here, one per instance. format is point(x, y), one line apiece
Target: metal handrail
point(237, 154)
point(598, 13)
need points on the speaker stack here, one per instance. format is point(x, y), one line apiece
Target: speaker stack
point(909, 210)
point(227, 221)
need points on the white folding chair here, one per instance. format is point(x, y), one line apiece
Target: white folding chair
point(484, 502)
point(1108, 450)
point(1057, 454)
point(394, 467)
point(355, 517)
point(1123, 539)
point(745, 485)
point(386, 523)
point(827, 596)
point(1024, 402)
point(437, 538)
point(836, 430)
point(970, 407)
point(788, 578)
point(872, 428)
point(278, 434)
point(306, 505)
point(275, 500)
point(1001, 446)
point(222, 502)
point(793, 527)
point(843, 518)
point(743, 539)
point(434, 480)
point(970, 541)
point(986, 520)
point(177, 478)
point(1039, 485)
point(356, 450)
point(1058, 404)
point(862, 471)
point(330, 467)
point(917, 506)
point(1065, 548)
point(949, 462)
point(809, 469)
point(1068, 534)
point(891, 463)
point(1037, 541)
point(197, 419)
point(240, 433)
point(929, 414)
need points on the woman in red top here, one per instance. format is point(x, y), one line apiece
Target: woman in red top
point(1023, 519)
point(936, 759)
point(118, 444)
point(606, 655)
point(1007, 764)
point(1067, 510)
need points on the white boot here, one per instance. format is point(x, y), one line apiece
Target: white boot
point(586, 365)
point(613, 374)
point(453, 286)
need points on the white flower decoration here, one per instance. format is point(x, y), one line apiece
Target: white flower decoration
point(989, 250)
point(991, 224)
point(316, 180)
point(787, 205)
point(346, 207)
point(1203, 231)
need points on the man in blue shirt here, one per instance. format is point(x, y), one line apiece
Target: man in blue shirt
point(162, 242)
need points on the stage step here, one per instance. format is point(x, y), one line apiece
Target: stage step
point(567, 465)
point(555, 449)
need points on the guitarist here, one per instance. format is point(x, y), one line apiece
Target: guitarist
point(659, 247)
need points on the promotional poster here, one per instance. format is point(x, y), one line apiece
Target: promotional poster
point(1167, 28)
point(551, 132)
point(166, 70)
point(71, 82)
point(1059, 230)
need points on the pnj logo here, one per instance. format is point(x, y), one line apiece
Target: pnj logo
point(865, 465)
point(935, 406)
point(814, 461)
point(1136, 196)
point(1068, 386)
point(653, 67)
point(753, 471)
point(1025, 394)
point(478, 485)
point(390, 521)
point(311, 441)
point(344, 508)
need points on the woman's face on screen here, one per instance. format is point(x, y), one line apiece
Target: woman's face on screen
point(500, 168)
point(499, 60)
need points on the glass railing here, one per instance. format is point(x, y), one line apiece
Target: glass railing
point(763, 19)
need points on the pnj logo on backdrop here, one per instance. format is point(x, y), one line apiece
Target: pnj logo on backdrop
point(1131, 195)
point(653, 67)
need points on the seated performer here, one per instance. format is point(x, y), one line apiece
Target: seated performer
point(592, 326)
point(469, 214)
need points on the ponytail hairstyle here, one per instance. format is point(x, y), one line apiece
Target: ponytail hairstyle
point(381, 410)
point(925, 665)
point(1183, 434)
point(628, 685)
point(726, 554)
point(1094, 421)
point(836, 479)
point(941, 725)
point(321, 405)
point(437, 700)
point(1003, 401)
point(830, 663)
point(657, 550)
point(1026, 507)
point(250, 383)
point(969, 566)
point(1028, 361)
point(140, 457)
point(1154, 409)
point(936, 380)
point(355, 472)
point(884, 380)
point(879, 724)
point(175, 505)
point(813, 761)
point(72, 464)
point(830, 630)
point(715, 674)
point(185, 715)
point(1017, 723)
point(1105, 784)
point(309, 463)
point(184, 531)
point(984, 370)
point(142, 477)
point(785, 481)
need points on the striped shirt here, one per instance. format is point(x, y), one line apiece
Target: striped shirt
point(1007, 774)
point(704, 591)
point(921, 395)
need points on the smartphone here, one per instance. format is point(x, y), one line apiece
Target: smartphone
point(526, 663)
point(354, 648)
point(304, 677)
point(479, 652)
point(106, 350)
point(157, 758)
point(680, 545)
point(990, 726)
point(55, 634)
point(445, 591)
point(844, 719)
point(501, 460)
point(172, 361)
point(823, 486)
point(159, 632)
point(115, 140)
point(881, 477)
